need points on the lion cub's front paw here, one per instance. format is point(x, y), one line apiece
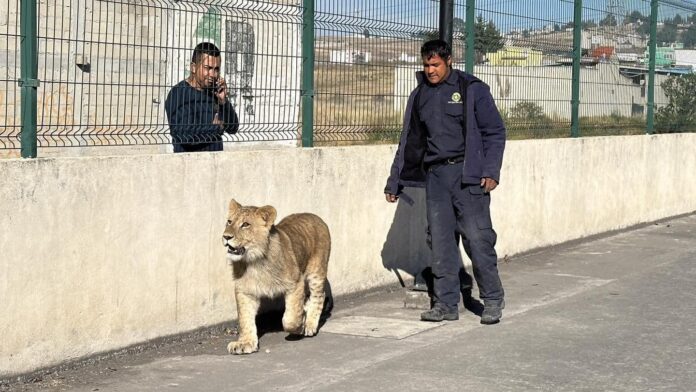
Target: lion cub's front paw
point(243, 346)
point(310, 331)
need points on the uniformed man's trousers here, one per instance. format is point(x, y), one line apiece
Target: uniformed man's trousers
point(455, 207)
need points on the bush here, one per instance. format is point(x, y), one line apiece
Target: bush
point(679, 115)
point(527, 120)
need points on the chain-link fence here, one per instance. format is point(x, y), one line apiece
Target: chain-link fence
point(556, 67)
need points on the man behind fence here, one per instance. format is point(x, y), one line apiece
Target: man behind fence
point(452, 142)
point(197, 108)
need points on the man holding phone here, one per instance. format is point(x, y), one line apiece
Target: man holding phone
point(197, 108)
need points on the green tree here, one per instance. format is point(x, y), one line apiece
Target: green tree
point(366, 33)
point(689, 37)
point(588, 24)
point(487, 37)
point(677, 20)
point(691, 19)
point(609, 20)
point(635, 17)
point(679, 115)
point(492, 41)
point(667, 34)
point(459, 25)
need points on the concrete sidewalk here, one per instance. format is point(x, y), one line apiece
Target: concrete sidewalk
point(616, 313)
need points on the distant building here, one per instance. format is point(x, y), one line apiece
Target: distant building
point(407, 58)
point(516, 57)
point(603, 53)
point(350, 56)
point(627, 57)
point(685, 58)
point(664, 56)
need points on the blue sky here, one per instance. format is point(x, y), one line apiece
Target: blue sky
point(506, 14)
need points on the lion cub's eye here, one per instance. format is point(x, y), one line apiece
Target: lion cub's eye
point(229, 222)
point(245, 225)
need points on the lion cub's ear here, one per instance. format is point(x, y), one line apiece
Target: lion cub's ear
point(268, 214)
point(234, 207)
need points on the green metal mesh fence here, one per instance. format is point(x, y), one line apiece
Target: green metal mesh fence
point(106, 66)
point(10, 126)
point(524, 52)
point(613, 80)
point(675, 98)
point(366, 56)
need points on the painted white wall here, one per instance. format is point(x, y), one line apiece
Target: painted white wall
point(100, 253)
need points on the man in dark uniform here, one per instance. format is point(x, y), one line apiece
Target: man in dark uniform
point(197, 108)
point(452, 143)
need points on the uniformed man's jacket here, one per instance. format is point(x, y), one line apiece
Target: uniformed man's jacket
point(485, 138)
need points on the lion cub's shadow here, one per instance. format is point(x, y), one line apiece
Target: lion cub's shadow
point(270, 317)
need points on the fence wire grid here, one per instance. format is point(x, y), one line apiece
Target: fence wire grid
point(106, 66)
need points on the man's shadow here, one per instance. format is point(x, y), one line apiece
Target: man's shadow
point(407, 249)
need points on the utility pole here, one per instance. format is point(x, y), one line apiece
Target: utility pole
point(446, 17)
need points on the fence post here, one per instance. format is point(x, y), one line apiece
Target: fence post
point(28, 81)
point(652, 44)
point(446, 16)
point(470, 36)
point(577, 55)
point(308, 73)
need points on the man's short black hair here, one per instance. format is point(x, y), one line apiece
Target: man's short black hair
point(208, 48)
point(436, 47)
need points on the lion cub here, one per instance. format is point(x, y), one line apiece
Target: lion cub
point(272, 260)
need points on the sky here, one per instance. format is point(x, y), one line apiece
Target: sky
point(506, 14)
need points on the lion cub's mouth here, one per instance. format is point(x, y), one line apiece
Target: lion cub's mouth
point(236, 251)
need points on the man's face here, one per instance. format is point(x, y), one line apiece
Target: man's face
point(436, 68)
point(206, 72)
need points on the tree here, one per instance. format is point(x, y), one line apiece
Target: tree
point(679, 115)
point(667, 34)
point(492, 40)
point(635, 17)
point(588, 24)
point(556, 27)
point(487, 38)
point(459, 25)
point(609, 20)
point(691, 19)
point(677, 20)
point(689, 37)
point(366, 33)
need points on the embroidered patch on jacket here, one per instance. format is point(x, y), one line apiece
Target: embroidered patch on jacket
point(456, 98)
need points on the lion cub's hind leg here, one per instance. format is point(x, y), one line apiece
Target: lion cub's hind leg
point(293, 317)
point(315, 303)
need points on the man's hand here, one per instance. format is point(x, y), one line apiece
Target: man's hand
point(488, 184)
point(221, 91)
point(391, 198)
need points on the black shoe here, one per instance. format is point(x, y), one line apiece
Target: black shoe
point(492, 312)
point(438, 314)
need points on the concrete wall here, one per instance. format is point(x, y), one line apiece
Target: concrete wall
point(103, 252)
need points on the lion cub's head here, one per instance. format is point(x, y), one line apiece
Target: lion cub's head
point(247, 232)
